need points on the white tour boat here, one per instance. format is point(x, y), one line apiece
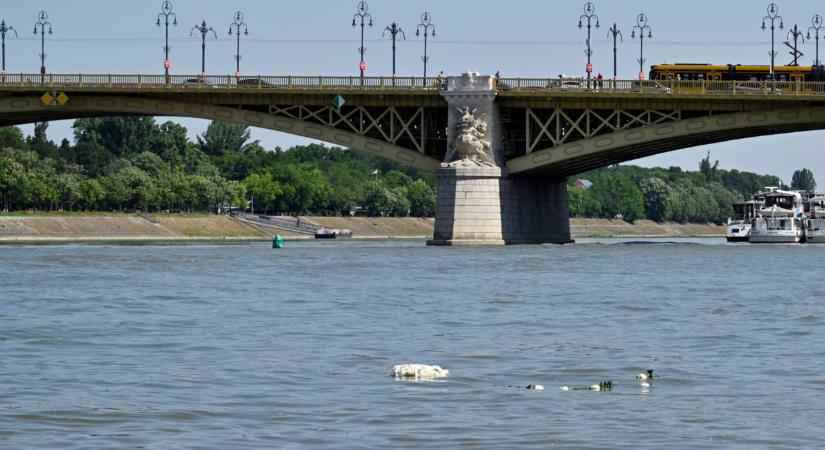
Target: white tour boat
point(780, 220)
point(738, 228)
point(815, 225)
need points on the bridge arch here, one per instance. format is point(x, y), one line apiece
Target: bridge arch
point(28, 109)
point(626, 145)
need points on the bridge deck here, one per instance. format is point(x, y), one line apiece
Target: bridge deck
point(506, 87)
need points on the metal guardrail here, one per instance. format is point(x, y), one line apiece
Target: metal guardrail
point(119, 81)
point(343, 83)
point(291, 224)
point(663, 87)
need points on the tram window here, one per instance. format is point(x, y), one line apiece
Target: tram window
point(701, 77)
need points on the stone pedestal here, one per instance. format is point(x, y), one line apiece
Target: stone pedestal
point(468, 208)
point(478, 203)
point(483, 206)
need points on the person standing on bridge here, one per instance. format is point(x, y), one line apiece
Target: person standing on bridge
point(600, 81)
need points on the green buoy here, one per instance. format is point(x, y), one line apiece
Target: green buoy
point(277, 241)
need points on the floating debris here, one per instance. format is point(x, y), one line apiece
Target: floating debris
point(603, 386)
point(645, 376)
point(418, 371)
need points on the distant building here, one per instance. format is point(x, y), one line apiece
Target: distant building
point(584, 184)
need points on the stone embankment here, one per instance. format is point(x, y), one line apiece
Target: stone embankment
point(80, 228)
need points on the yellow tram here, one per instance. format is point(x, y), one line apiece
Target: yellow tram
point(689, 77)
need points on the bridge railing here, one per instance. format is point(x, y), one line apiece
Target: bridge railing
point(664, 87)
point(119, 81)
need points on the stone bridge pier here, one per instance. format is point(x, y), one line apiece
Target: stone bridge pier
point(479, 203)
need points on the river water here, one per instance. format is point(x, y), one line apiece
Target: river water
point(243, 346)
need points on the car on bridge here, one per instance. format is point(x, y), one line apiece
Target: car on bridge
point(653, 87)
point(253, 82)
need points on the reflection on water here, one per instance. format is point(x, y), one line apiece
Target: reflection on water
point(243, 346)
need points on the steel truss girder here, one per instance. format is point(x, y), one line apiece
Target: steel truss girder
point(548, 128)
point(403, 126)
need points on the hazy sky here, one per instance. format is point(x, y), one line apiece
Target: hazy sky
point(527, 38)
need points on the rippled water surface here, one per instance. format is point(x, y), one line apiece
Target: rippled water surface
point(242, 346)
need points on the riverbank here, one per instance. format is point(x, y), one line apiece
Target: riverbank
point(174, 227)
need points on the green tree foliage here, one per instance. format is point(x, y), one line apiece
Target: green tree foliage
point(656, 197)
point(803, 180)
point(422, 199)
point(223, 138)
point(12, 137)
point(668, 194)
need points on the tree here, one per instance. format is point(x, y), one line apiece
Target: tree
point(12, 137)
point(263, 190)
point(656, 196)
point(223, 137)
point(122, 136)
point(710, 172)
point(422, 199)
point(803, 180)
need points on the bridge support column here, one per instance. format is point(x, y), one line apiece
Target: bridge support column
point(483, 206)
point(478, 202)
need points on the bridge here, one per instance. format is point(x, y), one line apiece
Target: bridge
point(502, 147)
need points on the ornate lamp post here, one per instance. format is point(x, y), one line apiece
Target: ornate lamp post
point(166, 12)
point(614, 30)
point(204, 30)
point(589, 15)
point(394, 31)
point(642, 26)
point(362, 14)
point(3, 30)
point(796, 34)
point(42, 21)
point(427, 26)
point(773, 16)
point(238, 25)
point(816, 23)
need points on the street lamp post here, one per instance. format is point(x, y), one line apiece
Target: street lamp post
point(773, 16)
point(429, 29)
point(394, 31)
point(362, 14)
point(614, 31)
point(796, 34)
point(642, 26)
point(166, 12)
point(3, 30)
point(238, 24)
point(42, 21)
point(204, 31)
point(816, 23)
point(589, 15)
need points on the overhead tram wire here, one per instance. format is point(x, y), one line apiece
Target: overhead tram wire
point(440, 42)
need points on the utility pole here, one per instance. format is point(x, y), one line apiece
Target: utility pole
point(166, 12)
point(42, 21)
point(642, 26)
point(3, 30)
point(394, 31)
point(362, 14)
point(204, 30)
point(426, 25)
point(616, 36)
point(816, 23)
point(797, 35)
point(238, 24)
point(773, 16)
point(589, 15)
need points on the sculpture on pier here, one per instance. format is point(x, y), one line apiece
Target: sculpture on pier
point(469, 145)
